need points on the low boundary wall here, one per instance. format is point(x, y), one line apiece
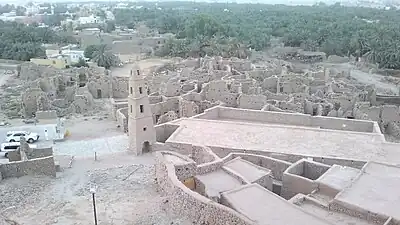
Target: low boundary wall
point(44, 115)
point(296, 119)
point(39, 166)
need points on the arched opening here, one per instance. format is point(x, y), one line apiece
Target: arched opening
point(146, 147)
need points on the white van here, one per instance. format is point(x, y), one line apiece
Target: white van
point(11, 146)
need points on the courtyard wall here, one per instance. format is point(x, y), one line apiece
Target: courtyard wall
point(39, 166)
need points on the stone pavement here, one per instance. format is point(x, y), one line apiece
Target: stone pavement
point(86, 148)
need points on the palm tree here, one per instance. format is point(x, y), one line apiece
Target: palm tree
point(104, 58)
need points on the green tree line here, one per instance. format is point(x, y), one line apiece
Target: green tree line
point(20, 42)
point(234, 28)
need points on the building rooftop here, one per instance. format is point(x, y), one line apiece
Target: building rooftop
point(266, 208)
point(289, 139)
point(352, 185)
point(376, 190)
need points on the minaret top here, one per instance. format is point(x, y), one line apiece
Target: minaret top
point(137, 84)
point(136, 73)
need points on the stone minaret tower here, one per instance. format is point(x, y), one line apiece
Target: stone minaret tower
point(142, 133)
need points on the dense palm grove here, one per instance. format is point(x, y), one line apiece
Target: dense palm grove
point(20, 42)
point(231, 29)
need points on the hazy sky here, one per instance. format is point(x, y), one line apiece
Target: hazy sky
point(21, 2)
point(287, 2)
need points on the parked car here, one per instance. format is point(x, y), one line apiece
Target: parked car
point(15, 136)
point(11, 146)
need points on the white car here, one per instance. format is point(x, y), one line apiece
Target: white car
point(15, 136)
point(11, 146)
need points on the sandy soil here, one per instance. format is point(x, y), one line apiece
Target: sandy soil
point(82, 128)
point(126, 194)
point(368, 78)
point(376, 79)
point(143, 64)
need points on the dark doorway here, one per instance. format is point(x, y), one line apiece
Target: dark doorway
point(157, 117)
point(146, 147)
point(99, 93)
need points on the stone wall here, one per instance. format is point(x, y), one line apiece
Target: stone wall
point(202, 154)
point(251, 101)
point(291, 158)
point(126, 47)
point(185, 202)
point(354, 211)
point(164, 131)
point(40, 153)
point(212, 113)
point(118, 104)
point(100, 86)
point(300, 178)
point(30, 153)
point(48, 114)
point(39, 166)
point(383, 99)
point(120, 87)
point(122, 118)
point(276, 166)
point(297, 119)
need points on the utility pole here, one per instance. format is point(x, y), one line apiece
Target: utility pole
point(93, 191)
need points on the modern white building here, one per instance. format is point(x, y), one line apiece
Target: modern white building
point(74, 56)
point(89, 19)
point(69, 52)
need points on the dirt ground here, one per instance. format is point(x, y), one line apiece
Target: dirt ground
point(82, 128)
point(382, 87)
point(126, 194)
point(145, 65)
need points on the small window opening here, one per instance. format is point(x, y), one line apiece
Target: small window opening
point(131, 109)
point(141, 108)
point(144, 128)
point(131, 90)
point(140, 90)
point(138, 72)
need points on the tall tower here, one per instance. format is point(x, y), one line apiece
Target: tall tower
point(142, 133)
